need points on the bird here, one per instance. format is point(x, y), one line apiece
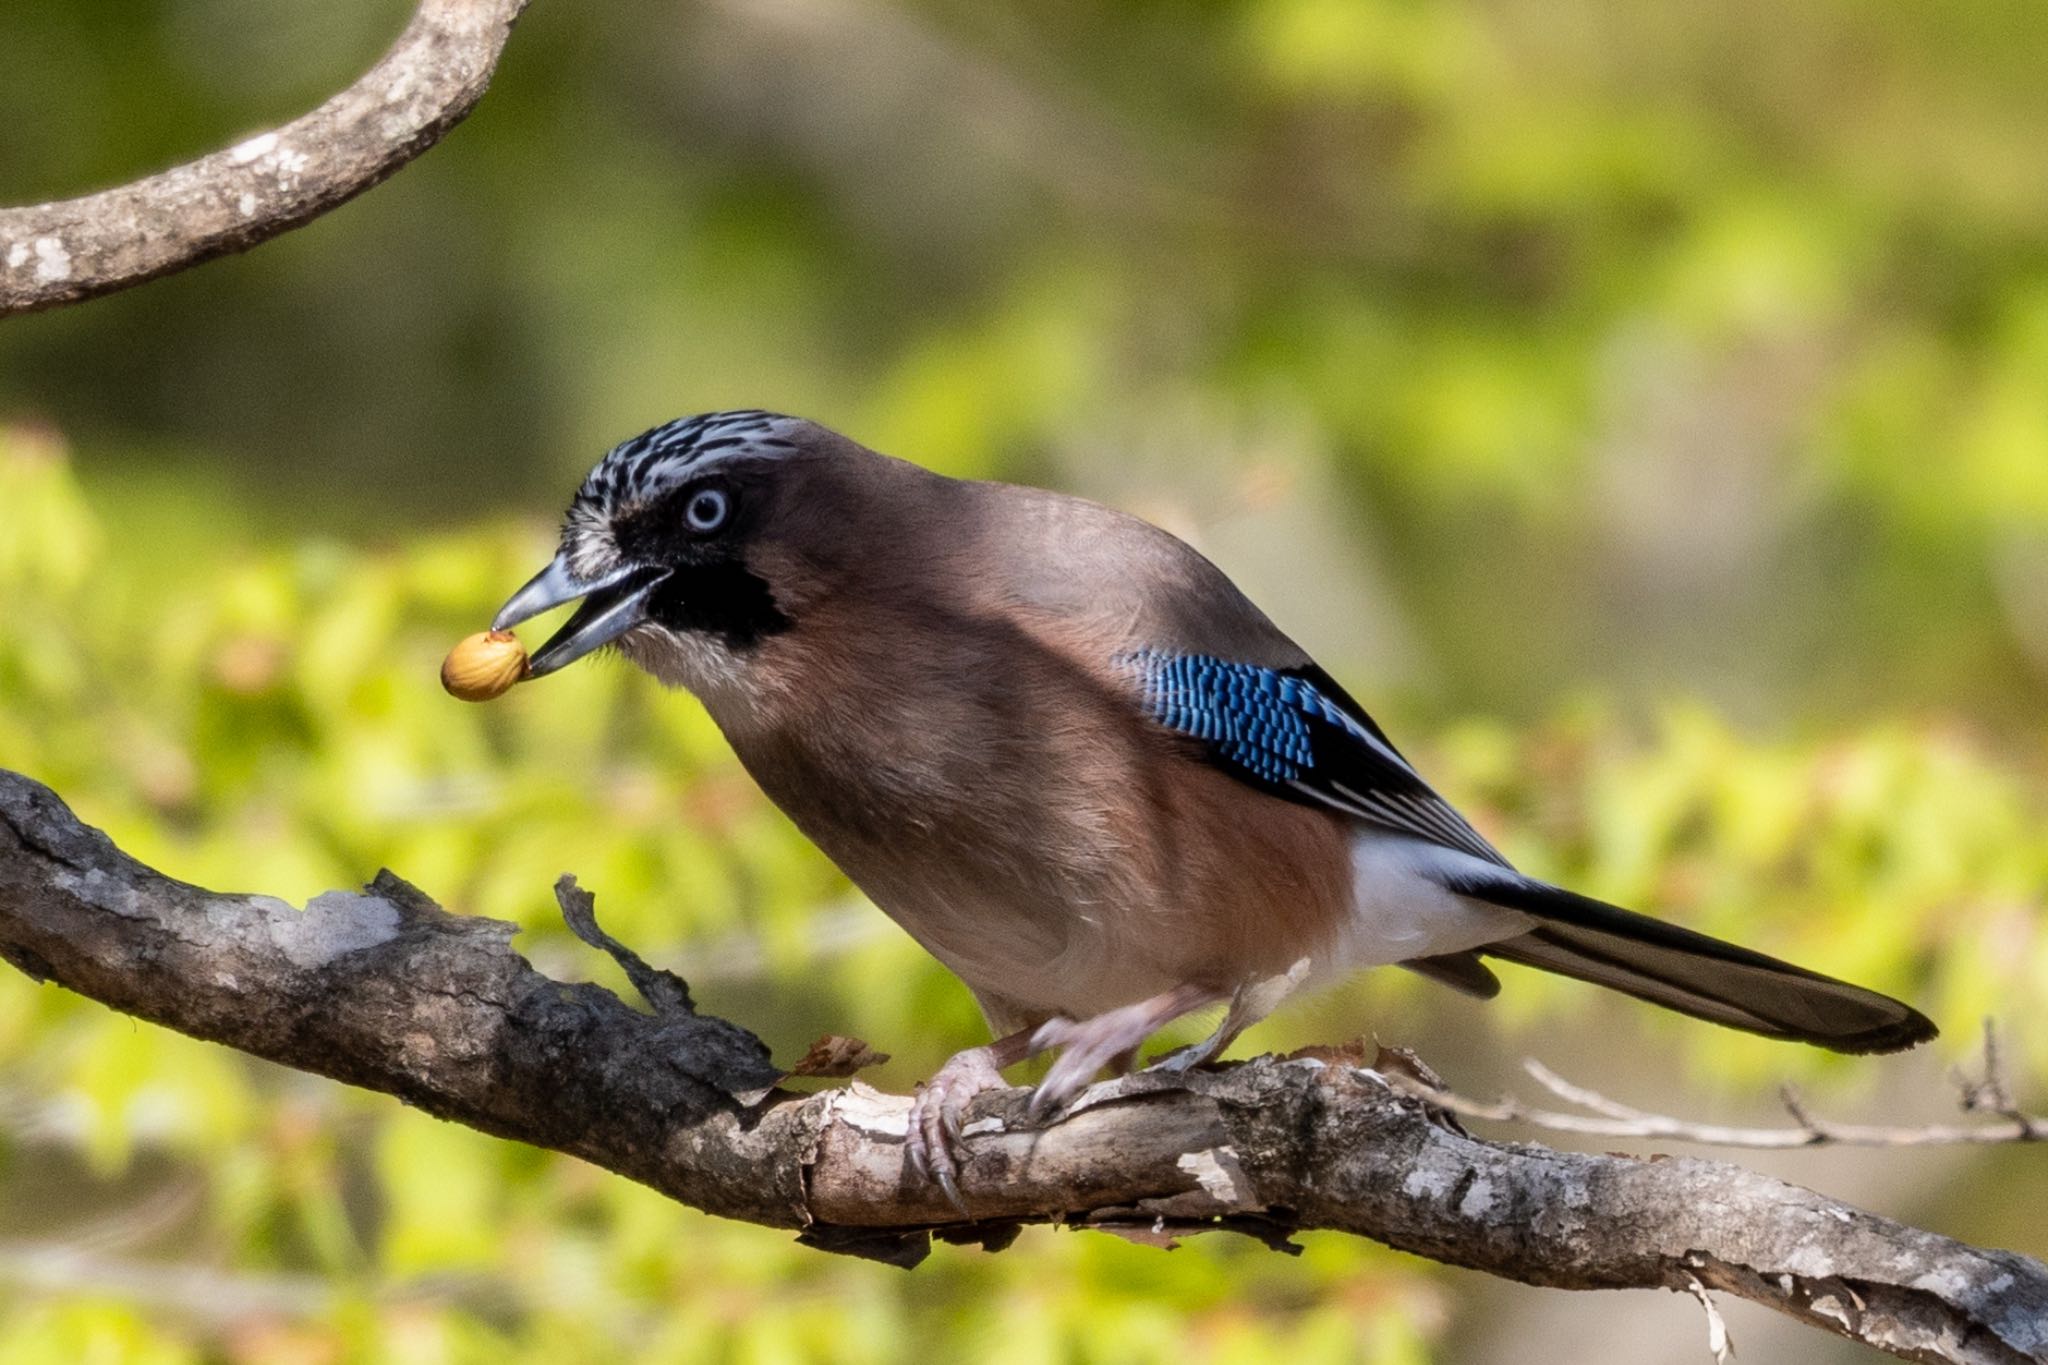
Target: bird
point(1064, 752)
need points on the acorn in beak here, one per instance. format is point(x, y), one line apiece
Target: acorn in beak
point(611, 605)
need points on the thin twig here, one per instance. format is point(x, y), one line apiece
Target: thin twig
point(143, 1221)
point(1993, 1094)
point(1611, 1118)
point(664, 991)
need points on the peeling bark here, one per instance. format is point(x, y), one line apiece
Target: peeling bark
point(385, 990)
point(62, 252)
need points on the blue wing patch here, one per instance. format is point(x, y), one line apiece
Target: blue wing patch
point(1256, 717)
point(1283, 730)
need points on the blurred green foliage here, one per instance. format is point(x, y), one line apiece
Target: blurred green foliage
point(1714, 332)
point(1657, 394)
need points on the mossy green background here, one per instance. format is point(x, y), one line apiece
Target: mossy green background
point(1644, 406)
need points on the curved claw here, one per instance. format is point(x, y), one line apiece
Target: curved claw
point(950, 1187)
point(931, 1140)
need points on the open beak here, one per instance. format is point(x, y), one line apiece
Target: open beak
point(612, 604)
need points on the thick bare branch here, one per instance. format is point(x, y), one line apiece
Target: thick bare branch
point(72, 249)
point(385, 990)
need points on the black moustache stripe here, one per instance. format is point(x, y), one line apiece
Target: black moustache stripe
point(724, 599)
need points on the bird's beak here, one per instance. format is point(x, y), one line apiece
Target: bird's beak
point(613, 604)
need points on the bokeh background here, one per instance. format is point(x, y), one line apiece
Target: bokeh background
point(1644, 404)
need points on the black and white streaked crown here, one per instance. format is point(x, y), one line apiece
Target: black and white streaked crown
point(649, 464)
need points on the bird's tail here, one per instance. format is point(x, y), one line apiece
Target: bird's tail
point(1704, 977)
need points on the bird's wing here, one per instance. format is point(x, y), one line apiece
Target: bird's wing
point(1294, 732)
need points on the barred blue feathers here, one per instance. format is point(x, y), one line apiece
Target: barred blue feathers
point(1280, 729)
point(1256, 717)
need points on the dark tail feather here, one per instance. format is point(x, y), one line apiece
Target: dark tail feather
point(1460, 971)
point(1694, 974)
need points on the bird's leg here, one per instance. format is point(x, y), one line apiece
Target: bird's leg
point(1200, 1054)
point(932, 1138)
point(1092, 1044)
point(931, 1142)
point(1249, 1003)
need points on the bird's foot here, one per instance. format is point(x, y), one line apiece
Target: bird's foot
point(931, 1145)
point(1089, 1046)
point(1092, 1044)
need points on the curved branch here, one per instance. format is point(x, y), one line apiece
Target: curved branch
point(73, 249)
point(385, 990)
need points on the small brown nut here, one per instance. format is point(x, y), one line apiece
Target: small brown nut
point(484, 665)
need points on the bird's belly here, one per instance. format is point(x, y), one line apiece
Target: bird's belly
point(1026, 948)
point(1098, 919)
point(1066, 866)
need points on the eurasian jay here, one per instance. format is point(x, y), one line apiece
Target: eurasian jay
point(1063, 751)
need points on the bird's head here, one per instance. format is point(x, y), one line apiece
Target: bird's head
point(692, 544)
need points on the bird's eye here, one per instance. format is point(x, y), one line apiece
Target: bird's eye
point(707, 510)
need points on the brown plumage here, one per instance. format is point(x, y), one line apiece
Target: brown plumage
point(987, 787)
point(1071, 759)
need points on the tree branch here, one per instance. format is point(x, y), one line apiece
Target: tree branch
point(1611, 1118)
point(385, 990)
point(73, 249)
